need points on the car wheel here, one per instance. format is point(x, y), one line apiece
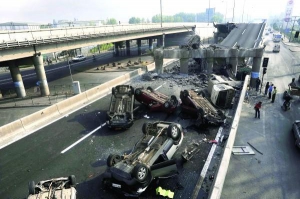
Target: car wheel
point(138, 91)
point(140, 172)
point(150, 89)
point(72, 180)
point(31, 187)
point(173, 132)
point(131, 90)
point(186, 93)
point(113, 159)
point(167, 104)
point(174, 100)
point(113, 91)
point(146, 127)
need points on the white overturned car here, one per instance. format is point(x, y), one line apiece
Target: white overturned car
point(56, 188)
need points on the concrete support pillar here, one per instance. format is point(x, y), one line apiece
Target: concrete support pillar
point(128, 47)
point(139, 44)
point(41, 75)
point(150, 44)
point(160, 41)
point(17, 79)
point(256, 66)
point(184, 65)
point(209, 60)
point(159, 60)
point(117, 52)
point(209, 65)
point(233, 60)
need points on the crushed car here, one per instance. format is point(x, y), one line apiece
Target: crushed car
point(120, 113)
point(56, 188)
point(200, 108)
point(150, 158)
point(155, 100)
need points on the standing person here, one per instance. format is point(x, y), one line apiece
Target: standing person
point(270, 89)
point(274, 94)
point(257, 111)
point(257, 84)
point(267, 87)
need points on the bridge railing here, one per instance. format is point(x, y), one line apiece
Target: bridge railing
point(17, 38)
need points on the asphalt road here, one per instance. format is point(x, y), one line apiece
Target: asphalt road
point(45, 154)
point(244, 35)
point(275, 174)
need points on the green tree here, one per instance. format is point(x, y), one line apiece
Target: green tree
point(217, 18)
point(111, 21)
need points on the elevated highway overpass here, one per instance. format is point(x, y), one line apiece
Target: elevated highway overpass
point(25, 47)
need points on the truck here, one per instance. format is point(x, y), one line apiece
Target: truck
point(277, 37)
point(222, 90)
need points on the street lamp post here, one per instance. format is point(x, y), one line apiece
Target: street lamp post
point(160, 15)
point(233, 10)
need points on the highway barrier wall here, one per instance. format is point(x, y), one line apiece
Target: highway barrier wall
point(216, 190)
point(20, 128)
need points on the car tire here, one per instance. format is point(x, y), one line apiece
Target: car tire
point(131, 90)
point(146, 127)
point(113, 91)
point(167, 105)
point(113, 159)
point(140, 172)
point(185, 93)
point(174, 100)
point(138, 91)
point(72, 180)
point(174, 132)
point(31, 187)
point(149, 88)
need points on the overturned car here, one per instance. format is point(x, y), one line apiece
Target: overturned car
point(156, 101)
point(120, 113)
point(56, 188)
point(130, 174)
point(200, 108)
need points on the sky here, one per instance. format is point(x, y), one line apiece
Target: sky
point(45, 11)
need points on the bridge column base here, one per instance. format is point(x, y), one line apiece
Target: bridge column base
point(150, 44)
point(159, 60)
point(184, 65)
point(255, 73)
point(139, 44)
point(17, 79)
point(41, 75)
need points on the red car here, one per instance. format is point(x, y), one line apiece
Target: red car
point(156, 101)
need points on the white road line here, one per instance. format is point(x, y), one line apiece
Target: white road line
point(234, 44)
point(243, 32)
point(159, 86)
point(83, 138)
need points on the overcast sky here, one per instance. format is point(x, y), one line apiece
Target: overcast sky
point(44, 11)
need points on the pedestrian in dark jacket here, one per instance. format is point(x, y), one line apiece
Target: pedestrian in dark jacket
point(267, 87)
point(257, 111)
point(270, 89)
point(274, 94)
point(257, 84)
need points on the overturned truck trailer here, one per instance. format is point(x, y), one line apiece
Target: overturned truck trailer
point(200, 108)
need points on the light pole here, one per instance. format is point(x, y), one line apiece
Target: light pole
point(160, 15)
point(243, 11)
point(233, 10)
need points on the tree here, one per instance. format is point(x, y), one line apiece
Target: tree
point(110, 21)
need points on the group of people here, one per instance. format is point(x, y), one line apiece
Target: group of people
point(270, 91)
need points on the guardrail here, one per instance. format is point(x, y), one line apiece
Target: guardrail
point(216, 190)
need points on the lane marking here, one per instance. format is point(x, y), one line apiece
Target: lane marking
point(83, 138)
point(243, 32)
point(159, 87)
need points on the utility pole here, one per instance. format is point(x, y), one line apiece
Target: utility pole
point(243, 11)
point(233, 10)
point(160, 15)
point(293, 27)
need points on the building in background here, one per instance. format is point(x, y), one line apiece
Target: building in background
point(19, 26)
